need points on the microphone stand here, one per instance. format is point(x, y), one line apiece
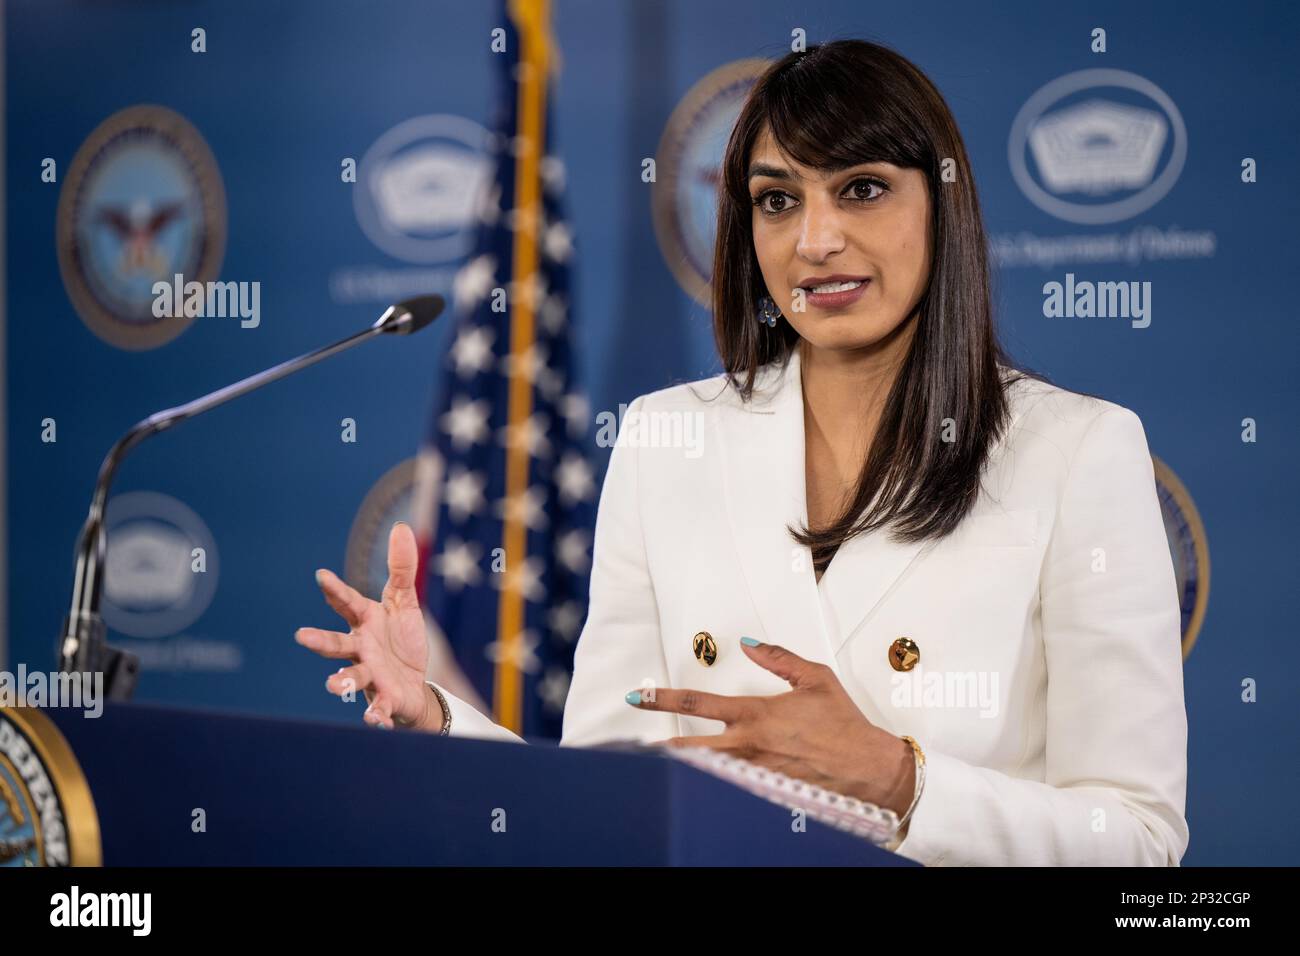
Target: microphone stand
point(84, 646)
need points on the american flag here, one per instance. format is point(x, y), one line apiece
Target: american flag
point(507, 489)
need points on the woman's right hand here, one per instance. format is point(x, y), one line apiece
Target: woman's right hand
point(386, 644)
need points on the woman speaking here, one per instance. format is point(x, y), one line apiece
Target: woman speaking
point(897, 567)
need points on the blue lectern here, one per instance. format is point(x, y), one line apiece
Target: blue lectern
point(272, 791)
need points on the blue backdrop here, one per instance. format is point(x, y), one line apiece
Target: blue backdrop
point(1135, 175)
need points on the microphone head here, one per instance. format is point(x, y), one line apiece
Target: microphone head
point(411, 315)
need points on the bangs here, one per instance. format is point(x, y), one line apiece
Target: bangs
point(829, 119)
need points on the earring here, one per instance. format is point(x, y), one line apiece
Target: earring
point(768, 311)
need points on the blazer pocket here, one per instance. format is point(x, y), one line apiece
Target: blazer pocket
point(1000, 529)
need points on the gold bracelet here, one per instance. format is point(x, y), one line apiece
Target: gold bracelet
point(919, 755)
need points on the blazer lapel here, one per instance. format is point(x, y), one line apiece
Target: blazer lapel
point(861, 575)
point(867, 567)
point(762, 443)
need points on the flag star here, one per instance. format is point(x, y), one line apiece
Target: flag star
point(550, 383)
point(520, 653)
point(521, 220)
point(571, 550)
point(577, 412)
point(529, 363)
point(521, 144)
point(458, 564)
point(553, 689)
point(463, 493)
point(574, 478)
point(553, 173)
point(529, 434)
point(552, 313)
point(526, 507)
point(557, 242)
point(474, 281)
point(522, 577)
point(472, 350)
point(467, 422)
point(565, 620)
point(528, 292)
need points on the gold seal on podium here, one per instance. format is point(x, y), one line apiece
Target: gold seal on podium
point(47, 815)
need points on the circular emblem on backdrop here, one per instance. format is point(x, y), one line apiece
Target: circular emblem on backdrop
point(1106, 145)
point(47, 816)
point(389, 501)
point(418, 187)
point(688, 172)
point(151, 585)
point(1189, 548)
point(141, 203)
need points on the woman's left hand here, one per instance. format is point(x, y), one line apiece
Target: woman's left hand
point(814, 733)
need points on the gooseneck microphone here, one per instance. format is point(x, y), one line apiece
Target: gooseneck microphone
point(84, 647)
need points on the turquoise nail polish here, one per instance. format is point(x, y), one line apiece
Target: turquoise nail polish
point(634, 698)
point(750, 642)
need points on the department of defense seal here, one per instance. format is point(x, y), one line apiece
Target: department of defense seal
point(142, 201)
point(1189, 548)
point(688, 166)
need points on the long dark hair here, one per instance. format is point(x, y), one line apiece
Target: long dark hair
point(832, 107)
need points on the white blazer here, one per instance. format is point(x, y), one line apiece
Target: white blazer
point(1053, 606)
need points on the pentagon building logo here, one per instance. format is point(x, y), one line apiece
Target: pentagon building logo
point(150, 588)
point(1098, 147)
point(1097, 159)
point(420, 183)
